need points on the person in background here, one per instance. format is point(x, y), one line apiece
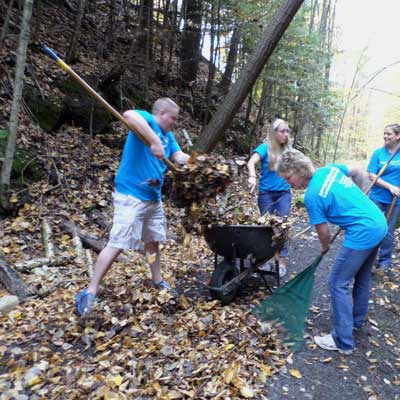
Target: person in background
point(274, 194)
point(332, 197)
point(138, 211)
point(387, 188)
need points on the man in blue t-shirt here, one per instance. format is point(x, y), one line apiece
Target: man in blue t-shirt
point(138, 211)
point(331, 196)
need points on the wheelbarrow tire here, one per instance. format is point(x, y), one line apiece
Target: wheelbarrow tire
point(223, 273)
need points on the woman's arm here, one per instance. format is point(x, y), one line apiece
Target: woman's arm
point(251, 166)
point(394, 190)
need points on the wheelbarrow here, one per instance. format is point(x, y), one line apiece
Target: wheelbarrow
point(244, 249)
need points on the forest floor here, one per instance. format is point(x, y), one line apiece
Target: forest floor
point(140, 343)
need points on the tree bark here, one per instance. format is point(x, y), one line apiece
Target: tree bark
point(15, 107)
point(71, 53)
point(227, 110)
point(11, 280)
point(230, 62)
point(190, 47)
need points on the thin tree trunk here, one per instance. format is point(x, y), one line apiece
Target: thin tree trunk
point(38, 20)
point(165, 28)
point(211, 62)
point(15, 107)
point(71, 53)
point(260, 113)
point(227, 110)
point(190, 44)
point(171, 35)
point(231, 61)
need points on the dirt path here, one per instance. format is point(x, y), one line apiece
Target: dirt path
point(373, 371)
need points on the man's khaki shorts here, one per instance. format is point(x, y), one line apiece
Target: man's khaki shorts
point(136, 220)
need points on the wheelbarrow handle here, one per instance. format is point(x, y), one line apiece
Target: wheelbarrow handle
point(131, 126)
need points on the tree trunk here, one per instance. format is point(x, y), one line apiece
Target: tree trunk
point(17, 95)
point(38, 21)
point(211, 61)
point(230, 62)
point(260, 113)
point(227, 110)
point(165, 29)
point(71, 53)
point(11, 280)
point(190, 47)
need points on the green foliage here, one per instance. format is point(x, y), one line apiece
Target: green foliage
point(298, 71)
point(4, 134)
point(24, 163)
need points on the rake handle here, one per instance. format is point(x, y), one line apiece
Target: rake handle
point(131, 126)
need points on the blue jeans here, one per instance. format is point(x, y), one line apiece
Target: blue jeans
point(385, 251)
point(349, 310)
point(275, 202)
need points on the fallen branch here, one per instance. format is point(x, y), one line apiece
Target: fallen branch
point(47, 243)
point(29, 265)
point(96, 244)
point(11, 280)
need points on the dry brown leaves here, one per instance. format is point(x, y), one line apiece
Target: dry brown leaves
point(138, 343)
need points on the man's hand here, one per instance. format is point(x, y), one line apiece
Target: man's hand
point(180, 157)
point(252, 181)
point(157, 150)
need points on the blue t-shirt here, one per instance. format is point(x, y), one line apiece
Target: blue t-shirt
point(391, 175)
point(269, 180)
point(139, 169)
point(331, 196)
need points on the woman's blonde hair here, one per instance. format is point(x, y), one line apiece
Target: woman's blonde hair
point(275, 149)
point(295, 162)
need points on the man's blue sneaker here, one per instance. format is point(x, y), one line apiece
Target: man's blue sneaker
point(84, 302)
point(165, 285)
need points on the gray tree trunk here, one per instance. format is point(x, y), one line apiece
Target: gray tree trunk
point(231, 61)
point(222, 119)
point(71, 53)
point(11, 280)
point(18, 86)
point(190, 44)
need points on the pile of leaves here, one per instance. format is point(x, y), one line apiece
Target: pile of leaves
point(236, 206)
point(201, 179)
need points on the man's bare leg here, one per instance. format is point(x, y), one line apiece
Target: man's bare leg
point(153, 248)
point(103, 264)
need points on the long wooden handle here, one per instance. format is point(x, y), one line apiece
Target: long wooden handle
point(104, 103)
point(389, 213)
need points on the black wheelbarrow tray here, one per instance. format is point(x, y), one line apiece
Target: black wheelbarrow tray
point(244, 248)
